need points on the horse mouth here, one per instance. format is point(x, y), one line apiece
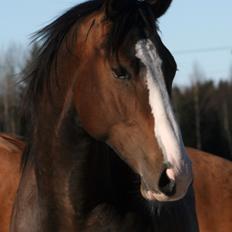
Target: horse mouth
point(151, 195)
point(147, 193)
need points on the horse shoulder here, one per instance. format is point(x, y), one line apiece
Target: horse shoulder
point(10, 155)
point(213, 191)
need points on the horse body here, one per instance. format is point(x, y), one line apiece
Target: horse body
point(213, 191)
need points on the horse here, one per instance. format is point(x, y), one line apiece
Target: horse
point(10, 155)
point(104, 147)
point(98, 155)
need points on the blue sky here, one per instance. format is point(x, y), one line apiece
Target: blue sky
point(188, 25)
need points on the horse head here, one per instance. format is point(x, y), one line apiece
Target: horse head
point(122, 94)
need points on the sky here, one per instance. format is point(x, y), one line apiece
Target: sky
point(195, 31)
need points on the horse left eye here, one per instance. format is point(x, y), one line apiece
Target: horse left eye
point(120, 73)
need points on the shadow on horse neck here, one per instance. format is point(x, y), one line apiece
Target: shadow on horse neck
point(100, 118)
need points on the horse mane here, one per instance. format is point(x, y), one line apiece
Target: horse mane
point(38, 78)
point(50, 39)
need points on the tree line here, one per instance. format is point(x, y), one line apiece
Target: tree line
point(203, 109)
point(204, 113)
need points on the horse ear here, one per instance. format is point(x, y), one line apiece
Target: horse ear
point(159, 6)
point(115, 7)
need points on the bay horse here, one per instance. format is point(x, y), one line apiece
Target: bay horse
point(104, 146)
point(73, 178)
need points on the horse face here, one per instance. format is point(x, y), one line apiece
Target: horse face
point(123, 99)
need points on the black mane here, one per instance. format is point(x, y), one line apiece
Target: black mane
point(49, 39)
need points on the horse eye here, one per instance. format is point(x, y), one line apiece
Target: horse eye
point(120, 73)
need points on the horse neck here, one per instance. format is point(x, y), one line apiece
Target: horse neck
point(74, 173)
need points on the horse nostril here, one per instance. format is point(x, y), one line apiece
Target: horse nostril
point(167, 185)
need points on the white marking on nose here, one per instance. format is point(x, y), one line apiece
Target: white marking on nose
point(166, 129)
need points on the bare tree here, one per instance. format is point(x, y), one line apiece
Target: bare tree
point(11, 65)
point(197, 77)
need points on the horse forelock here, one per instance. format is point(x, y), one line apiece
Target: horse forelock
point(138, 16)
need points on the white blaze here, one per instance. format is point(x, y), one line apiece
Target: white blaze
point(166, 129)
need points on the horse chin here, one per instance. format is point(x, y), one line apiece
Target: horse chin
point(155, 196)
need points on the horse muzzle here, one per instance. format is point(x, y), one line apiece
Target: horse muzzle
point(172, 184)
